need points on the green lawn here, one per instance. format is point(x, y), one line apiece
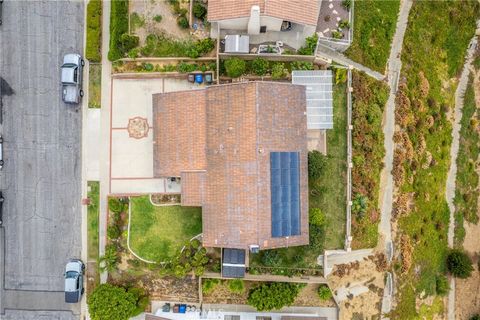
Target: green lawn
point(157, 233)
point(92, 219)
point(331, 196)
point(369, 99)
point(467, 192)
point(374, 27)
point(94, 85)
point(444, 30)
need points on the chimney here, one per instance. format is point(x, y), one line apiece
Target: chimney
point(254, 21)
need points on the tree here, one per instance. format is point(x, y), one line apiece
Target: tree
point(273, 296)
point(260, 66)
point(324, 293)
point(235, 67)
point(459, 264)
point(316, 164)
point(111, 302)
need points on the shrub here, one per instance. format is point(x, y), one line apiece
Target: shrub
point(344, 24)
point(118, 27)
point(273, 296)
point(317, 217)
point(147, 67)
point(360, 205)
point(337, 34)
point(109, 259)
point(184, 67)
point(158, 18)
point(347, 4)
point(128, 42)
point(199, 10)
point(459, 264)
point(236, 286)
point(279, 71)
point(235, 67)
point(260, 66)
point(136, 20)
point(340, 75)
point(310, 46)
point(324, 293)
point(93, 50)
point(475, 317)
point(115, 205)
point(208, 285)
point(114, 231)
point(301, 65)
point(111, 302)
point(182, 21)
point(316, 164)
point(441, 285)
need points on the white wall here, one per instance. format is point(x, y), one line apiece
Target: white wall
point(241, 24)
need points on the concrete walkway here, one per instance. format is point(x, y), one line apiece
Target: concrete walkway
point(104, 133)
point(336, 257)
point(394, 68)
point(452, 172)
point(325, 53)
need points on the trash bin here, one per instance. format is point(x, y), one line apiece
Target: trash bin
point(199, 78)
point(208, 78)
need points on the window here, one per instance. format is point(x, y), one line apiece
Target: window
point(263, 29)
point(263, 318)
point(229, 317)
point(78, 283)
point(75, 75)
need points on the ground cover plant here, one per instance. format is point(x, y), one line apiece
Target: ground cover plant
point(93, 49)
point(93, 278)
point(160, 45)
point(374, 27)
point(158, 232)
point(421, 160)
point(467, 190)
point(369, 99)
point(94, 85)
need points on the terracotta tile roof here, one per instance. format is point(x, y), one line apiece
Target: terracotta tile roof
point(179, 135)
point(193, 188)
point(243, 124)
point(299, 11)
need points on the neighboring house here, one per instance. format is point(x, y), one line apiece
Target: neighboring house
point(290, 21)
point(240, 151)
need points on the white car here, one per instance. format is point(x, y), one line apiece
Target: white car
point(74, 280)
point(72, 70)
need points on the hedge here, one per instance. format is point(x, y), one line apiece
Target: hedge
point(93, 50)
point(118, 27)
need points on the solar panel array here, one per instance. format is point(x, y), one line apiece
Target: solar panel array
point(319, 91)
point(285, 193)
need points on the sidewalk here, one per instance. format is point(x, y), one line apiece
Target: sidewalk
point(104, 143)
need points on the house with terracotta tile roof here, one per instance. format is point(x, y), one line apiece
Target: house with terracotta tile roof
point(290, 21)
point(240, 152)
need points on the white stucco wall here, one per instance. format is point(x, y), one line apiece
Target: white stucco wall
point(241, 24)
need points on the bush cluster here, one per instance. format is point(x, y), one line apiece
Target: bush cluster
point(199, 10)
point(235, 67)
point(324, 293)
point(459, 264)
point(118, 26)
point(236, 285)
point(193, 257)
point(310, 46)
point(93, 50)
point(316, 164)
point(111, 302)
point(273, 296)
point(208, 285)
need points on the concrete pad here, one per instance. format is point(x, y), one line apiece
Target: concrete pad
point(92, 154)
point(131, 158)
point(173, 85)
point(317, 140)
point(138, 186)
point(133, 98)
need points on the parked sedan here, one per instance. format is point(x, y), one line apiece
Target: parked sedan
point(74, 280)
point(72, 69)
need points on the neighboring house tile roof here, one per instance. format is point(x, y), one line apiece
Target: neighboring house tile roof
point(193, 188)
point(298, 11)
point(242, 124)
point(179, 139)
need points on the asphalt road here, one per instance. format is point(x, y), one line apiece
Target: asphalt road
point(41, 176)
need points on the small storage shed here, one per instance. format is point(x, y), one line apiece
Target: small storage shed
point(237, 44)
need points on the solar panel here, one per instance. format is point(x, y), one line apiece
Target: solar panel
point(285, 195)
point(319, 94)
point(233, 263)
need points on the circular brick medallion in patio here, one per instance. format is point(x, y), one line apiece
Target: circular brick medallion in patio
point(137, 128)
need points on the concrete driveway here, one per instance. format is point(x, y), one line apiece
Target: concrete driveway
point(40, 180)
point(131, 133)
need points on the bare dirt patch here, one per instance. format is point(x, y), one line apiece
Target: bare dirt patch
point(368, 273)
point(148, 9)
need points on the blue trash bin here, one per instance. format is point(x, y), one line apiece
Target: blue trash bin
point(199, 78)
